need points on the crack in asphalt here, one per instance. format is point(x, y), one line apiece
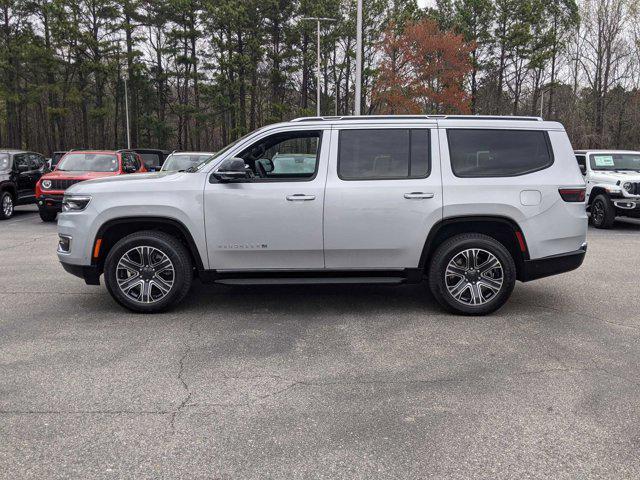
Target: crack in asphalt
point(307, 384)
point(293, 384)
point(183, 383)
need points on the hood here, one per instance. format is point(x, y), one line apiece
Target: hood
point(614, 177)
point(126, 182)
point(64, 175)
point(131, 177)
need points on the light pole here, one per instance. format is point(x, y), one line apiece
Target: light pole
point(318, 20)
point(126, 111)
point(358, 59)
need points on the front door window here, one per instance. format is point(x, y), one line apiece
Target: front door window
point(284, 156)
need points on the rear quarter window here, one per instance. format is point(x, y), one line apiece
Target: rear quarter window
point(498, 153)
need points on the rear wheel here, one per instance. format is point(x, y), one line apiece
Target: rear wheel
point(472, 274)
point(603, 213)
point(48, 215)
point(148, 271)
point(6, 205)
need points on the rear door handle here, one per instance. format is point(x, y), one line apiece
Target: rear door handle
point(418, 195)
point(300, 197)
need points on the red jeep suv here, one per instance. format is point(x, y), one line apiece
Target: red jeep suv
point(77, 166)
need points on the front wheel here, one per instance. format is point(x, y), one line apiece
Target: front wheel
point(603, 213)
point(48, 215)
point(6, 205)
point(472, 274)
point(148, 271)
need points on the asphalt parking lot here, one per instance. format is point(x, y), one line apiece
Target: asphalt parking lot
point(318, 382)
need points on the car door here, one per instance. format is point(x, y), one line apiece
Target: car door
point(274, 220)
point(38, 164)
point(383, 195)
point(23, 168)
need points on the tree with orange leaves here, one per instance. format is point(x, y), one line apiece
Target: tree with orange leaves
point(422, 70)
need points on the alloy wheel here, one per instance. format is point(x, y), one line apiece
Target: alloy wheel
point(597, 211)
point(7, 205)
point(145, 274)
point(474, 276)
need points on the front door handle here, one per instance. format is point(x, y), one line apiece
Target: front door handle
point(300, 197)
point(418, 195)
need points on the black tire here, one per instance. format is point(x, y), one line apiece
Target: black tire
point(47, 215)
point(453, 248)
point(7, 205)
point(603, 212)
point(168, 245)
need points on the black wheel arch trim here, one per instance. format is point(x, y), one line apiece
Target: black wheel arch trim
point(427, 250)
point(10, 187)
point(191, 244)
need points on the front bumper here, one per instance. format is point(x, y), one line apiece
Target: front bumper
point(90, 274)
point(553, 265)
point(50, 202)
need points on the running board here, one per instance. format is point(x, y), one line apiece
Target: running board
point(311, 280)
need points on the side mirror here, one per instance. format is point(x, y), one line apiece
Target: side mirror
point(231, 170)
point(583, 169)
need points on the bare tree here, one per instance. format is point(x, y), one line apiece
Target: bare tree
point(603, 55)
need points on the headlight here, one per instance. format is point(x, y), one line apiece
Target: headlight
point(46, 184)
point(628, 186)
point(71, 203)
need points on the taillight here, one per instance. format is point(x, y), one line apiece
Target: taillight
point(573, 194)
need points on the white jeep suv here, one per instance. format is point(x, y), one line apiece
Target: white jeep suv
point(471, 203)
point(613, 184)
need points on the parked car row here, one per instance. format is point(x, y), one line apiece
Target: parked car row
point(471, 203)
point(27, 177)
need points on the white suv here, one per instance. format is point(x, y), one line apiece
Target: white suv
point(471, 203)
point(613, 184)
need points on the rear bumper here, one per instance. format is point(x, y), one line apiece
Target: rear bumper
point(90, 274)
point(553, 265)
point(50, 202)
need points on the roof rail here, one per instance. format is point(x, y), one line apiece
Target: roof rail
point(417, 117)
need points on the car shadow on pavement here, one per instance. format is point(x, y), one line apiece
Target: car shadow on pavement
point(312, 299)
point(629, 225)
point(286, 300)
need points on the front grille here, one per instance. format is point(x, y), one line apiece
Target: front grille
point(635, 189)
point(62, 184)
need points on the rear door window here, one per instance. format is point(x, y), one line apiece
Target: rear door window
point(498, 153)
point(379, 154)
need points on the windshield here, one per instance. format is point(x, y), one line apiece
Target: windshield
point(89, 162)
point(4, 161)
point(615, 161)
point(181, 161)
point(151, 160)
